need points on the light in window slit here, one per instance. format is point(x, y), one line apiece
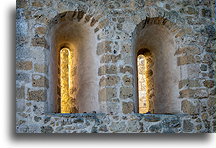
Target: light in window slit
point(142, 84)
point(65, 80)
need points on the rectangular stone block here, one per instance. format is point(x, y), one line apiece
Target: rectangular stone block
point(39, 41)
point(23, 65)
point(189, 83)
point(107, 93)
point(37, 95)
point(127, 107)
point(20, 92)
point(104, 47)
point(40, 30)
point(39, 81)
point(126, 92)
point(41, 68)
point(191, 50)
point(107, 70)
point(186, 60)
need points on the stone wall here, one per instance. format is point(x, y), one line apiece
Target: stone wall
point(192, 24)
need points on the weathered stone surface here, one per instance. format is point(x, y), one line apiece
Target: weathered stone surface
point(201, 94)
point(128, 81)
point(20, 105)
point(22, 4)
point(117, 127)
point(203, 67)
point(126, 92)
point(194, 93)
point(204, 116)
point(189, 83)
point(187, 126)
point(133, 126)
point(209, 83)
point(107, 70)
point(152, 118)
point(189, 108)
point(37, 4)
point(37, 119)
point(23, 77)
point(125, 69)
point(211, 101)
point(46, 129)
point(191, 50)
point(206, 13)
point(38, 95)
point(157, 128)
point(39, 41)
point(23, 65)
point(104, 47)
point(39, 81)
point(40, 30)
point(187, 60)
point(103, 128)
point(107, 93)
point(20, 92)
point(171, 122)
point(110, 58)
point(41, 68)
point(109, 81)
point(127, 107)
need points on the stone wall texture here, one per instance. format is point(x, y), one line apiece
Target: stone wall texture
point(185, 32)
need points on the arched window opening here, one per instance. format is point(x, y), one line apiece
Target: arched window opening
point(145, 81)
point(157, 73)
point(73, 65)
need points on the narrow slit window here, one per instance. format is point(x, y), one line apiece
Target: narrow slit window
point(65, 62)
point(142, 84)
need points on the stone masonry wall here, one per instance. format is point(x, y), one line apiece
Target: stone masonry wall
point(192, 23)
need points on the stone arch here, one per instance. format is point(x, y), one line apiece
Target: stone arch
point(75, 30)
point(158, 35)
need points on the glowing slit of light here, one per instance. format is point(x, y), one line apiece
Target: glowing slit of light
point(65, 62)
point(142, 84)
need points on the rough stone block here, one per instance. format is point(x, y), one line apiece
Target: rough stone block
point(125, 69)
point(187, 126)
point(126, 92)
point(209, 83)
point(23, 65)
point(107, 70)
point(41, 68)
point(109, 81)
point(20, 92)
point(37, 4)
point(40, 30)
point(190, 50)
point(110, 58)
point(39, 81)
point(187, 60)
point(39, 41)
point(117, 127)
point(189, 83)
point(107, 93)
point(128, 81)
point(127, 107)
point(104, 47)
point(189, 108)
point(157, 128)
point(37, 95)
